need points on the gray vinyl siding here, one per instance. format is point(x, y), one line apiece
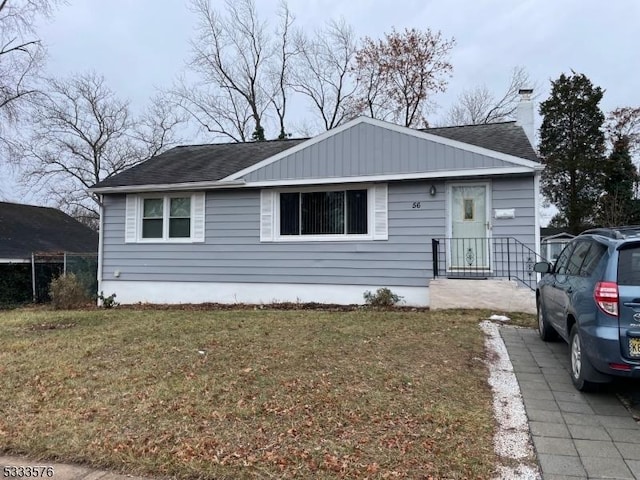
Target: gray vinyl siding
point(370, 150)
point(516, 193)
point(232, 251)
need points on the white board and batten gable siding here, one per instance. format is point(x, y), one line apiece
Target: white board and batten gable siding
point(369, 149)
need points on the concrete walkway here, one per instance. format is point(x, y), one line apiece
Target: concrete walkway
point(576, 435)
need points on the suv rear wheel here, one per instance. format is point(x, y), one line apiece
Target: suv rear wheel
point(546, 331)
point(580, 364)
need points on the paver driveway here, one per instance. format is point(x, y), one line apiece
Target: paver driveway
point(576, 435)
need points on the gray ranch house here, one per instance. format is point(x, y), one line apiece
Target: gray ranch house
point(366, 205)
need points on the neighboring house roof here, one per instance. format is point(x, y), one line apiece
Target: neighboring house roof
point(555, 232)
point(214, 162)
point(25, 229)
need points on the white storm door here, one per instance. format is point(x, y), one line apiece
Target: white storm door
point(469, 223)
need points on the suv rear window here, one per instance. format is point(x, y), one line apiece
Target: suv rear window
point(629, 266)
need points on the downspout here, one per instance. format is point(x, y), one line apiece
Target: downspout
point(100, 248)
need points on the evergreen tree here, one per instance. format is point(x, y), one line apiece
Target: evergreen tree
point(572, 146)
point(617, 205)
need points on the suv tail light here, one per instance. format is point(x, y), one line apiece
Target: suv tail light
point(606, 297)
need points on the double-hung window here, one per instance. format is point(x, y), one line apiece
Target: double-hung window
point(165, 218)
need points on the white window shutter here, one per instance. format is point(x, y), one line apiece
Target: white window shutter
point(267, 200)
point(198, 217)
point(380, 212)
point(131, 219)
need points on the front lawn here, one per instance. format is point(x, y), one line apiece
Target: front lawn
point(249, 393)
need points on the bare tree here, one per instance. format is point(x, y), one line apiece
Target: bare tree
point(397, 74)
point(623, 124)
point(233, 56)
point(82, 134)
point(280, 70)
point(21, 52)
point(21, 59)
point(323, 72)
point(478, 105)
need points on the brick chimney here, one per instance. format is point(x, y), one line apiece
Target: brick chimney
point(524, 116)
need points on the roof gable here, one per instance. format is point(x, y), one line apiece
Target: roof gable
point(366, 147)
point(373, 142)
point(25, 229)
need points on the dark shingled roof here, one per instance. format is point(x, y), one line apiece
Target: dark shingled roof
point(26, 229)
point(201, 163)
point(504, 137)
point(198, 163)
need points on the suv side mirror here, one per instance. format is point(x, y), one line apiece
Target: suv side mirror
point(542, 267)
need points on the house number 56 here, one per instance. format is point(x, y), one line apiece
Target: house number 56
point(416, 205)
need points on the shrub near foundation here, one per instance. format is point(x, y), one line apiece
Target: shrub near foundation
point(383, 297)
point(67, 292)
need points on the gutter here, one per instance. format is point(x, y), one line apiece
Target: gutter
point(165, 187)
point(223, 184)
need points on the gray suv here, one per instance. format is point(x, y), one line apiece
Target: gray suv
point(591, 298)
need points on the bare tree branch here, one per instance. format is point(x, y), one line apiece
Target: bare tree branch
point(82, 134)
point(280, 70)
point(322, 72)
point(478, 105)
point(21, 54)
point(398, 74)
point(623, 124)
point(232, 53)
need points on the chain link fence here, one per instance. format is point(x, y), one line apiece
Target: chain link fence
point(22, 283)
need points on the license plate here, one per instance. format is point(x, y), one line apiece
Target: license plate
point(634, 347)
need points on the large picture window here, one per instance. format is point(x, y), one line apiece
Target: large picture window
point(334, 212)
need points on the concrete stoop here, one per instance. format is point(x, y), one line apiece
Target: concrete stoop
point(493, 294)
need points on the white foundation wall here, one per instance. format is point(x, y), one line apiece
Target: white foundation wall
point(128, 292)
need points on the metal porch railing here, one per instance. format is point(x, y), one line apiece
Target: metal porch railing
point(497, 257)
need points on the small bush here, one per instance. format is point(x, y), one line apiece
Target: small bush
point(66, 292)
point(108, 301)
point(383, 297)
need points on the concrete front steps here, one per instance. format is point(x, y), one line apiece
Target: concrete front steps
point(493, 294)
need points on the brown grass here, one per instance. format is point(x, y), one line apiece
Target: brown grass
point(249, 394)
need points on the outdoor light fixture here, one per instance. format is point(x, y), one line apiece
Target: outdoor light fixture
point(432, 191)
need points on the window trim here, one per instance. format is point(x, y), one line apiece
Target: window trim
point(166, 205)
point(342, 237)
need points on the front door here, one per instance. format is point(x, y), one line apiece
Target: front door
point(469, 224)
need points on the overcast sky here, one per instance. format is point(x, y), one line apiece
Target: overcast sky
point(141, 45)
